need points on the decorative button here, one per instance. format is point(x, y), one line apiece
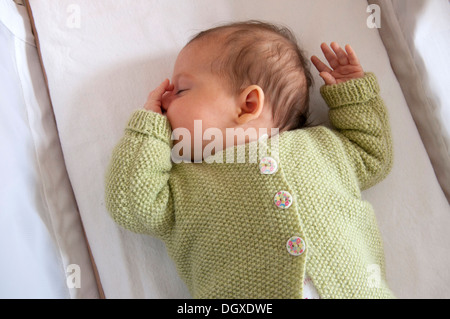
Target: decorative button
point(268, 165)
point(282, 199)
point(295, 246)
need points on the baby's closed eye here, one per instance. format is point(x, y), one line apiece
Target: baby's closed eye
point(180, 91)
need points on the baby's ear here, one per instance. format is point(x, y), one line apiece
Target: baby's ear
point(251, 103)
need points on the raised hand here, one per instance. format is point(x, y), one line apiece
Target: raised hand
point(343, 65)
point(154, 100)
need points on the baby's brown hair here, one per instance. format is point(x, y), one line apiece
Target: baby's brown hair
point(267, 55)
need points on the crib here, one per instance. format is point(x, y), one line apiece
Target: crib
point(72, 72)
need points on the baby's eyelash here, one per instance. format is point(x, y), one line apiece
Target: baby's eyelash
point(179, 91)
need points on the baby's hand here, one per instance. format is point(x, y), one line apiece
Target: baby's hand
point(154, 100)
point(345, 65)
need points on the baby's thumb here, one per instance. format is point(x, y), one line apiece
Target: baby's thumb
point(328, 78)
point(157, 93)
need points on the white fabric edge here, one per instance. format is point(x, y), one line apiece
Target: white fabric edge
point(61, 214)
point(419, 103)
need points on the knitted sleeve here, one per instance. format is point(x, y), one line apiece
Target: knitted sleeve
point(361, 120)
point(136, 190)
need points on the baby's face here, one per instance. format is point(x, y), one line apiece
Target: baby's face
point(199, 94)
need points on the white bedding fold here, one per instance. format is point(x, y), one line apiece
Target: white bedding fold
point(40, 227)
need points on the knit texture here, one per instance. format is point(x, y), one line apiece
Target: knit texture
point(219, 221)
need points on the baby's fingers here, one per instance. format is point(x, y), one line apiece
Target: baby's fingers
point(329, 55)
point(157, 93)
point(320, 66)
point(154, 100)
point(328, 78)
point(352, 58)
point(340, 53)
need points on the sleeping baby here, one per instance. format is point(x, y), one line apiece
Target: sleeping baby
point(287, 221)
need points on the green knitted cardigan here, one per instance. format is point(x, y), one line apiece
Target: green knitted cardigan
point(219, 221)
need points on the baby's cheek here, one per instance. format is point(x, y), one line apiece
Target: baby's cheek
point(175, 116)
point(181, 122)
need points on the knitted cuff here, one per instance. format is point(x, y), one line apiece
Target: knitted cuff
point(351, 92)
point(150, 123)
